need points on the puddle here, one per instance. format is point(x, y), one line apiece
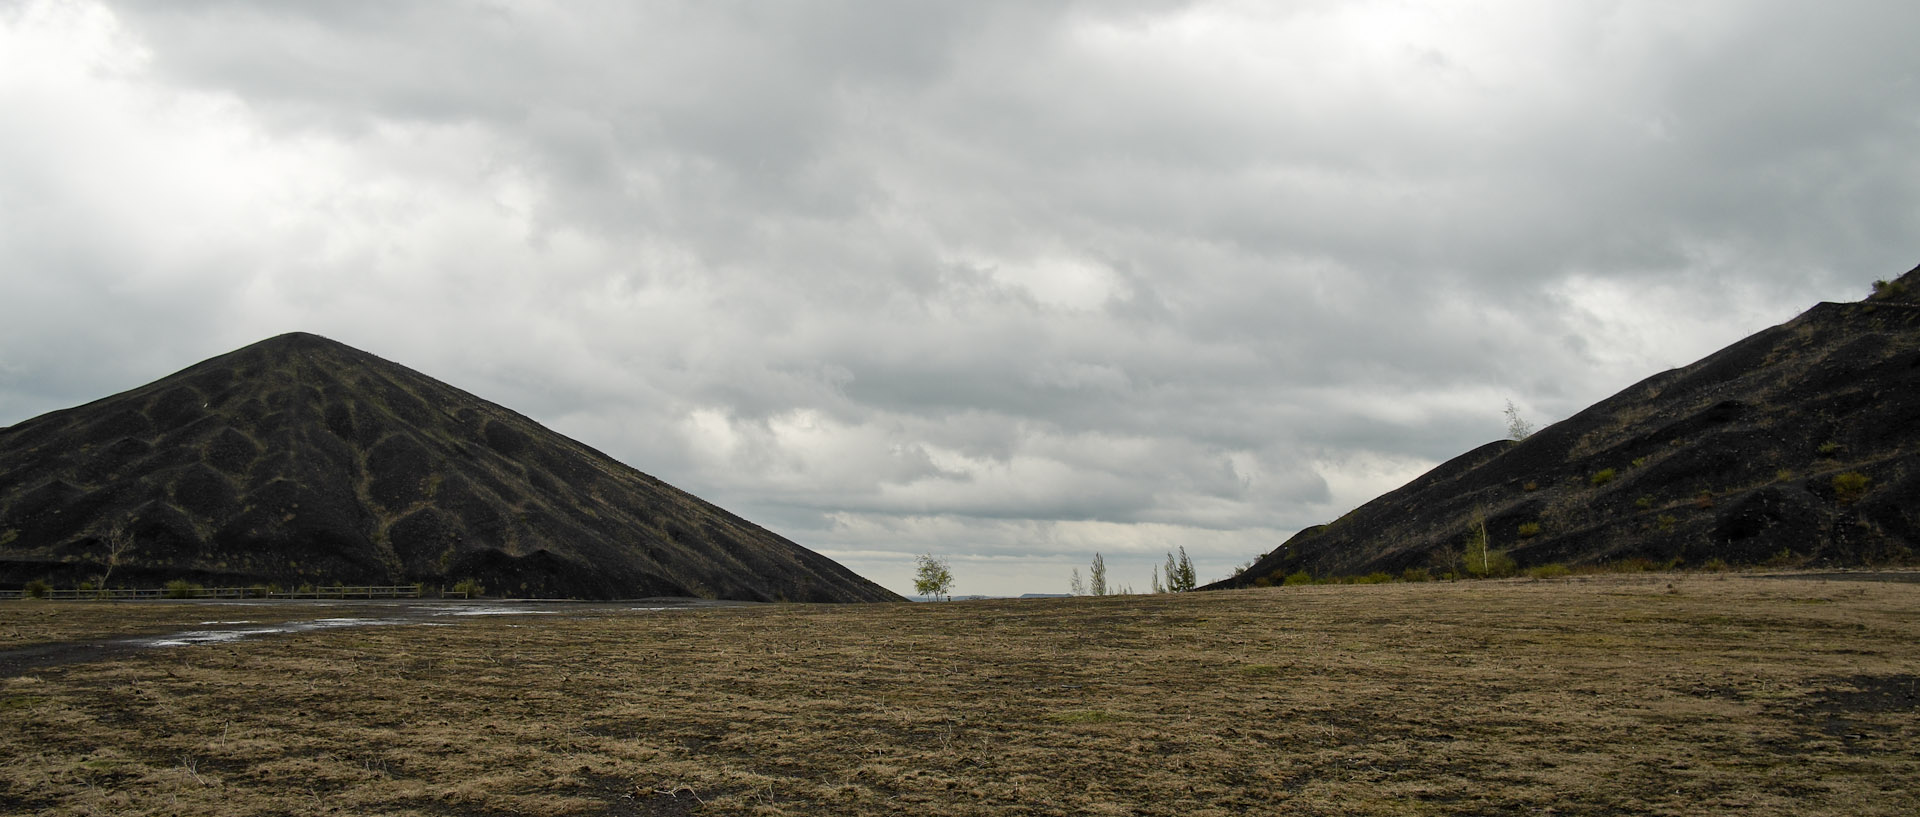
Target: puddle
point(223, 636)
point(23, 658)
point(496, 611)
point(415, 615)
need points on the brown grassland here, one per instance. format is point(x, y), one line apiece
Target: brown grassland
point(1672, 694)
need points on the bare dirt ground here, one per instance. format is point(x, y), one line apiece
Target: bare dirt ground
point(1695, 694)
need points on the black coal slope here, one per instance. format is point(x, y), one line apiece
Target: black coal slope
point(299, 460)
point(1798, 444)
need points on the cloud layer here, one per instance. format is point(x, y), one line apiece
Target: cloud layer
point(1009, 282)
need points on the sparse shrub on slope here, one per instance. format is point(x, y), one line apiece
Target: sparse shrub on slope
point(1851, 486)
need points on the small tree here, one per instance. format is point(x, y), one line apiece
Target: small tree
point(1446, 561)
point(1184, 578)
point(1481, 559)
point(1157, 586)
point(119, 541)
point(932, 578)
point(1097, 576)
point(1517, 427)
point(1079, 587)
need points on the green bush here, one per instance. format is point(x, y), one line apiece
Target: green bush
point(470, 588)
point(1828, 449)
point(182, 589)
point(1851, 486)
point(1416, 574)
point(1493, 564)
point(36, 589)
point(1297, 577)
point(1644, 502)
point(1528, 530)
point(1549, 571)
point(1372, 578)
point(1666, 522)
point(1715, 564)
point(1602, 477)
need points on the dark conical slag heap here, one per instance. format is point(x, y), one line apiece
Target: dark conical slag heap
point(299, 460)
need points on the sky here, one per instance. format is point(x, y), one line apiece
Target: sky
point(1010, 283)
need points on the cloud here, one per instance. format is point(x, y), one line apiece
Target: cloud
point(1010, 281)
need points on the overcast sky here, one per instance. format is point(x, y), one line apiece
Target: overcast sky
point(1010, 283)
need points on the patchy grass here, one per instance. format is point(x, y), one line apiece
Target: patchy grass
point(1589, 695)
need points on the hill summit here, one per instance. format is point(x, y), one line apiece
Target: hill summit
point(299, 460)
point(1797, 445)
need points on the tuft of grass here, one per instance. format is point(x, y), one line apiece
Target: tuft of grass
point(1637, 564)
point(1528, 530)
point(1602, 477)
point(1851, 486)
point(1416, 574)
point(1298, 577)
point(1080, 716)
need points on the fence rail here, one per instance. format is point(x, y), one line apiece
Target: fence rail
point(408, 591)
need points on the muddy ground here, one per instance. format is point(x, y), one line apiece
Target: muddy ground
point(1696, 694)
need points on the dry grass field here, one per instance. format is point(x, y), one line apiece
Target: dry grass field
point(1690, 694)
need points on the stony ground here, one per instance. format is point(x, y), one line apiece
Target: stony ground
point(1692, 694)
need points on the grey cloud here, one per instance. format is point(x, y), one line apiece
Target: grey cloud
point(993, 275)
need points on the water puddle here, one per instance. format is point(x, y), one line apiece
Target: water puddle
point(223, 636)
point(418, 615)
point(221, 632)
point(225, 630)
